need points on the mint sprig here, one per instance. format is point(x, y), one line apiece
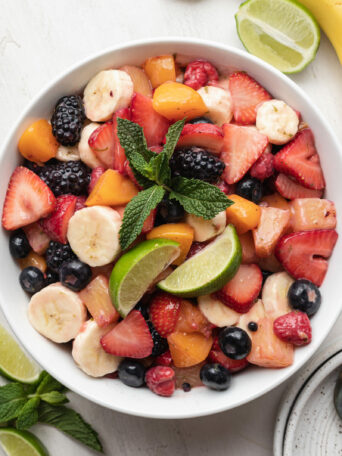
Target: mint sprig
point(153, 174)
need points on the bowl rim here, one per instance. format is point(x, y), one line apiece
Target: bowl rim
point(173, 40)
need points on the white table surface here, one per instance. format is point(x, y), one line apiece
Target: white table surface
point(40, 39)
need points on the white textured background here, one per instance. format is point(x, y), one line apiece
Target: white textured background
point(39, 39)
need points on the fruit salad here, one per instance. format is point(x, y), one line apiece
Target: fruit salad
point(171, 223)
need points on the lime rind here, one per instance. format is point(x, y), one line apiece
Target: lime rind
point(21, 443)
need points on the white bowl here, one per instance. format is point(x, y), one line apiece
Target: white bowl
point(57, 359)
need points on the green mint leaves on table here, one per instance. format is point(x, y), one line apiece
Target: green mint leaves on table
point(153, 173)
point(23, 405)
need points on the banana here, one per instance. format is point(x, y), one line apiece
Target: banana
point(207, 229)
point(274, 294)
point(219, 104)
point(57, 313)
point(256, 313)
point(86, 154)
point(107, 92)
point(277, 120)
point(88, 352)
point(66, 154)
point(93, 234)
point(216, 312)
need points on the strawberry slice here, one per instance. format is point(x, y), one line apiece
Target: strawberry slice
point(240, 293)
point(216, 355)
point(56, 225)
point(246, 95)
point(164, 313)
point(96, 173)
point(242, 146)
point(102, 143)
point(119, 151)
point(304, 254)
point(290, 189)
point(27, 200)
point(80, 203)
point(205, 135)
point(131, 337)
point(154, 125)
point(149, 222)
point(299, 159)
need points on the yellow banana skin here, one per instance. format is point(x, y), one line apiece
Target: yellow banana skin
point(329, 16)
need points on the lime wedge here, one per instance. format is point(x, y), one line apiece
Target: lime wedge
point(208, 270)
point(21, 443)
point(282, 32)
point(137, 269)
point(14, 363)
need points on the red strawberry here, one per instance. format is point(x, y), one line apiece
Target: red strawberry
point(38, 239)
point(216, 355)
point(154, 125)
point(205, 135)
point(119, 151)
point(304, 254)
point(161, 380)
point(149, 222)
point(130, 174)
point(293, 328)
point(299, 158)
point(80, 203)
point(102, 143)
point(242, 290)
point(246, 94)
point(156, 149)
point(263, 167)
point(165, 359)
point(164, 313)
point(131, 337)
point(27, 200)
point(242, 146)
point(96, 173)
point(290, 189)
point(56, 225)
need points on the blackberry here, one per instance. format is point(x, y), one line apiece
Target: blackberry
point(32, 166)
point(160, 344)
point(66, 177)
point(197, 163)
point(57, 254)
point(67, 120)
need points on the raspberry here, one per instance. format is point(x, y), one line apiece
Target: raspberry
point(293, 328)
point(263, 167)
point(200, 73)
point(67, 120)
point(165, 359)
point(161, 380)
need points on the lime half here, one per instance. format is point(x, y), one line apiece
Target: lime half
point(21, 443)
point(137, 269)
point(282, 32)
point(14, 363)
point(208, 270)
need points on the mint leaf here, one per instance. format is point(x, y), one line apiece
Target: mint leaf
point(198, 197)
point(54, 397)
point(12, 400)
point(132, 139)
point(172, 138)
point(48, 383)
point(136, 212)
point(70, 422)
point(160, 169)
point(28, 415)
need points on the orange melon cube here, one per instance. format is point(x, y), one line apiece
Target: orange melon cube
point(189, 349)
point(33, 259)
point(312, 214)
point(37, 143)
point(243, 214)
point(273, 224)
point(248, 250)
point(141, 83)
point(175, 101)
point(112, 189)
point(179, 232)
point(276, 200)
point(160, 69)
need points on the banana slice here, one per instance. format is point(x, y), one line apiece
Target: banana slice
point(57, 313)
point(256, 313)
point(277, 120)
point(216, 312)
point(86, 154)
point(107, 92)
point(274, 294)
point(207, 229)
point(88, 352)
point(66, 154)
point(93, 234)
point(219, 104)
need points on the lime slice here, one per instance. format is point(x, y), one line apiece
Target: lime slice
point(282, 32)
point(137, 269)
point(21, 443)
point(14, 363)
point(208, 270)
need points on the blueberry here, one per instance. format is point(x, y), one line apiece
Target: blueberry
point(199, 120)
point(31, 279)
point(75, 275)
point(235, 342)
point(186, 387)
point(132, 373)
point(169, 211)
point(253, 326)
point(18, 244)
point(250, 188)
point(215, 376)
point(304, 296)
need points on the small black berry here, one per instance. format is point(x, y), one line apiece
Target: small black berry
point(253, 326)
point(31, 279)
point(75, 275)
point(57, 254)
point(67, 120)
point(66, 177)
point(18, 244)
